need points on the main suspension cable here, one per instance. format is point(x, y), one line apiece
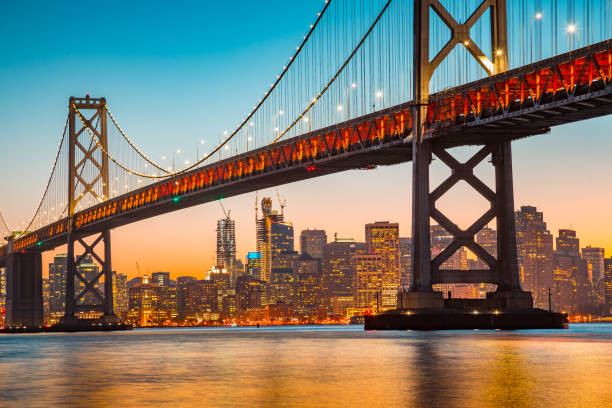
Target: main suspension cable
point(49, 182)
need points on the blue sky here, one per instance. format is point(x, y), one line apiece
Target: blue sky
point(174, 75)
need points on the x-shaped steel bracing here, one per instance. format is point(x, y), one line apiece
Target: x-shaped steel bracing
point(462, 238)
point(88, 187)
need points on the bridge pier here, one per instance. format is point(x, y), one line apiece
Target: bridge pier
point(78, 301)
point(24, 305)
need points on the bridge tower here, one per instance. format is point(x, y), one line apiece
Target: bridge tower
point(88, 140)
point(426, 271)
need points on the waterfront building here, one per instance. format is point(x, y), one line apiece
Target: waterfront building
point(281, 312)
point(368, 282)
point(120, 294)
point(201, 301)
point(283, 281)
point(382, 238)
point(608, 285)
point(338, 268)
point(45, 298)
point(144, 304)
point(569, 274)
point(57, 283)
point(251, 293)
point(2, 295)
point(309, 283)
point(312, 242)
point(535, 254)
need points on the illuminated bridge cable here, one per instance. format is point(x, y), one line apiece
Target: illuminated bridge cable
point(344, 65)
point(127, 139)
point(5, 224)
point(59, 150)
point(232, 134)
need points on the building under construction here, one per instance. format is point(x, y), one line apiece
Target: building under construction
point(274, 236)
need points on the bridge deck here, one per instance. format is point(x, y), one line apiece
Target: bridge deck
point(519, 103)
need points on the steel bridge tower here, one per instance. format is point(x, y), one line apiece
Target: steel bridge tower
point(88, 142)
point(426, 271)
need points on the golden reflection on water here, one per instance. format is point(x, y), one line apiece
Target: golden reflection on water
point(345, 367)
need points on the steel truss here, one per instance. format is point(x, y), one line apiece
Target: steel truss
point(95, 126)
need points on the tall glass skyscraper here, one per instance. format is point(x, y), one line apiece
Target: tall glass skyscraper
point(535, 254)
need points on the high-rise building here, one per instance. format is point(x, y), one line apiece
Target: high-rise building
point(45, 297)
point(535, 252)
point(200, 300)
point(253, 264)
point(608, 285)
point(569, 274)
point(2, 295)
point(309, 290)
point(88, 269)
point(405, 245)
point(312, 243)
point(160, 278)
point(382, 238)
point(144, 304)
point(182, 283)
point(120, 294)
point(368, 282)
point(226, 244)
point(594, 258)
point(57, 283)
point(283, 280)
point(274, 236)
point(250, 294)
point(338, 268)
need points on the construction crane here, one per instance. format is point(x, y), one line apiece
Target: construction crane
point(138, 269)
point(227, 213)
point(282, 204)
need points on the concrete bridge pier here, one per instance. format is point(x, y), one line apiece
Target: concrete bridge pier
point(24, 305)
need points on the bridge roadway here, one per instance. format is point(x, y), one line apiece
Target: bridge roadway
point(522, 102)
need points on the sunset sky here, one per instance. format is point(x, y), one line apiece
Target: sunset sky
point(175, 77)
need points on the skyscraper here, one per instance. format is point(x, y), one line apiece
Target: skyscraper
point(273, 237)
point(368, 282)
point(608, 285)
point(405, 261)
point(594, 258)
point(57, 283)
point(226, 244)
point(89, 270)
point(2, 295)
point(382, 238)
point(338, 268)
point(283, 280)
point(569, 273)
point(309, 283)
point(120, 294)
point(535, 251)
point(312, 242)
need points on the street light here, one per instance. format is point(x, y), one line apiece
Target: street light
point(537, 16)
point(571, 29)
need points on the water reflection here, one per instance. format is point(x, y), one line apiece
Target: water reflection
point(322, 367)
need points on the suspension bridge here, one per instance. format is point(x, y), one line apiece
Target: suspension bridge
point(371, 83)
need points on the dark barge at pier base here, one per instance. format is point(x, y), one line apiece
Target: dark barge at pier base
point(495, 312)
point(457, 319)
